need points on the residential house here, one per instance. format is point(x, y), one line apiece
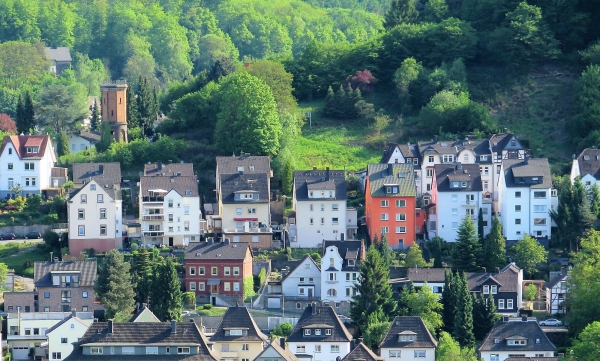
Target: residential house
point(362, 353)
point(243, 196)
point(556, 291)
point(457, 193)
point(143, 340)
point(238, 338)
point(64, 334)
point(408, 339)
point(144, 315)
point(320, 335)
point(277, 351)
point(526, 198)
point(107, 174)
point(505, 285)
point(60, 59)
point(84, 140)
point(587, 167)
point(390, 202)
point(432, 277)
point(218, 272)
point(404, 153)
point(169, 205)
point(521, 337)
point(319, 200)
point(26, 161)
point(504, 146)
point(298, 287)
point(27, 331)
point(339, 271)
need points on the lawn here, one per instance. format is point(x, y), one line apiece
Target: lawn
point(22, 262)
point(215, 311)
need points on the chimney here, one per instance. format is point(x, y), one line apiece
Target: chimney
point(170, 161)
point(497, 269)
point(282, 342)
point(144, 306)
point(436, 138)
point(390, 169)
point(314, 308)
point(226, 240)
point(505, 130)
point(55, 259)
point(459, 165)
point(505, 319)
point(110, 327)
point(101, 169)
point(359, 341)
point(526, 160)
point(573, 156)
point(73, 312)
point(159, 165)
point(173, 327)
point(327, 172)
point(524, 318)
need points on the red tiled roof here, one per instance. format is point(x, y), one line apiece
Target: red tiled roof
point(22, 141)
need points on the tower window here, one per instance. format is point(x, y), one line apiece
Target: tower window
point(111, 113)
point(119, 100)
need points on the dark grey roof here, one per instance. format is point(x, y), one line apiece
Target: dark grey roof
point(102, 173)
point(362, 353)
point(535, 167)
point(321, 317)
point(285, 353)
point(445, 173)
point(91, 136)
point(401, 174)
point(247, 182)
point(218, 250)
point(42, 272)
point(408, 324)
point(478, 146)
point(307, 180)
point(186, 186)
point(238, 318)
point(60, 53)
point(106, 185)
point(589, 162)
point(529, 330)
point(407, 151)
point(429, 275)
point(251, 164)
point(556, 280)
point(278, 264)
point(440, 147)
point(345, 248)
point(507, 278)
point(499, 142)
point(169, 169)
point(145, 334)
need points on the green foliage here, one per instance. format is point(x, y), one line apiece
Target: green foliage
point(587, 344)
point(435, 10)
point(449, 350)
point(414, 258)
point(247, 119)
point(467, 250)
point(53, 241)
point(60, 106)
point(198, 109)
point(165, 292)
point(142, 274)
point(530, 292)
point(463, 313)
point(249, 287)
point(280, 82)
point(423, 303)
point(105, 139)
point(147, 105)
point(3, 274)
point(62, 144)
point(484, 315)
point(494, 247)
point(283, 330)
point(435, 246)
point(95, 118)
point(89, 72)
point(588, 110)
point(375, 332)
point(384, 250)
point(260, 279)
point(401, 12)
point(114, 286)
point(529, 253)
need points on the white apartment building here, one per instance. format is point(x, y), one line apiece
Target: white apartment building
point(303, 281)
point(339, 270)
point(319, 200)
point(526, 198)
point(457, 193)
point(95, 214)
point(27, 161)
point(64, 334)
point(169, 205)
point(504, 146)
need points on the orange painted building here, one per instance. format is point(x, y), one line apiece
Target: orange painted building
point(390, 203)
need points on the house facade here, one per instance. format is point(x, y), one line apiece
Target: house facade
point(64, 334)
point(169, 205)
point(408, 339)
point(515, 337)
point(505, 146)
point(526, 198)
point(297, 287)
point(457, 193)
point(504, 285)
point(320, 334)
point(319, 200)
point(83, 140)
point(238, 337)
point(26, 161)
point(587, 167)
point(60, 58)
point(362, 353)
point(390, 202)
point(556, 292)
point(277, 351)
point(218, 272)
point(339, 270)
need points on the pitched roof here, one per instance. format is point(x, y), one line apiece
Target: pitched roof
point(400, 174)
point(320, 317)
point(348, 250)
point(186, 186)
point(589, 162)
point(58, 53)
point(532, 167)
point(102, 173)
point(92, 136)
point(407, 151)
point(306, 180)
point(446, 173)
point(244, 183)
point(218, 250)
point(144, 310)
point(112, 191)
point(20, 142)
point(65, 320)
point(411, 324)
point(238, 318)
point(556, 280)
point(42, 272)
point(429, 275)
point(362, 353)
point(145, 334)
point(275, 264)
point(250, 164)
point(285, 353)
point(529, 330)
point(169, 169)
point(439, 147)
point(478, 146)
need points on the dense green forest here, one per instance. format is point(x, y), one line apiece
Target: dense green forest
point(241, 75)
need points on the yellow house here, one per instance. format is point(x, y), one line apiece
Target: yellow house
point(238, 338)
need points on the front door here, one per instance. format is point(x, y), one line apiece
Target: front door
point(214, 289)
point(170, 241)
point(310, 292)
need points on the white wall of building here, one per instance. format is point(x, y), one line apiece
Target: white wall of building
point(304, 277)
point(231, 212)
point(522, 210)
point(408, 353)
point(77, 143)
point(503, 355)
point(452, 208)
point(319, 219)
point(341, 282)
point(321, 351)
point(32, 180)
point(72, 331)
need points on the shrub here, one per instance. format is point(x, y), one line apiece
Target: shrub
point(207, 306)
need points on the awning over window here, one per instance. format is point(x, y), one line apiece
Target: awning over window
point(213, 282)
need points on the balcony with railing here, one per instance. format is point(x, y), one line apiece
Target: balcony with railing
point(160, 199)
point(153, 217)
point(153, 233)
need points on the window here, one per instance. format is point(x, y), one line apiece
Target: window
point(539, 221)
point(84, 294)
point(300, 349)
point(517, 208)
point(331, 276)
point(384, 203)
point(394, 353)
point(29, 166)
point(227, 286)
point(236, 286)
point(334, 207)
point(350, 263)
point(400, 217)
point(494, 357)
point(84, 198)
point(102, 213)
point(517, 194)
point(186, 209)
point(385, 230)
point(81, 230)
point(183, 350)
point(454, 198)
point(335, 348)
point(151, 350)
point(509, 304)
point(335, 220)
point(236, 271)
point(500, 304)
point(201, 270)
point(299, 305)
point(400, 229)
point(419, 353)
point(93, 187)
point(170, 203)
point(244, 347)
point(322, 207)
point(192, 271)
point(307, 332)
point(494, 289)
point(127, 350)
point(539, 194)
point(100, 198)
point(301, 291)
point(213, 271)
point(103, 230)
point(486, 289)
point(328, 332)
point(81, 214)
point(227, 271)
point(384, 216)
point(454, 225)
point(448, 158)
point(540, 209)
point(10, 166)
point(466, 158)
point(322, 220)
point(201, 286)
point(517, 220)
point(57, 355)
point(96, 350)
point(318, 347)
point(400, 203)
point(65, 296)
point(331, 292)
point(170, 217)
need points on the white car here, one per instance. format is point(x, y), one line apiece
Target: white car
point(551, 322)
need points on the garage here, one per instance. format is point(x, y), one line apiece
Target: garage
point(20, 351)
point(274, 302)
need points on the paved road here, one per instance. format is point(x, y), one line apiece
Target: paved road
point(22, 241)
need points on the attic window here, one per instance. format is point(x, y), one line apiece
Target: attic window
point(32, 149)
point(240, 168)
point(513, 142)
point(391, 189)
point(401, 175)
point(351, 262)
point(235, 332)
point(516, 342)
point(188, 193)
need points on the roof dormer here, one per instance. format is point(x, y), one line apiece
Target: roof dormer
point(516, 341)
point(407, 336)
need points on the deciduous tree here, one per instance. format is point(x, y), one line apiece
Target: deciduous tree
point(529, 253)
point(423, 303)
point(587, 345)
point(414, 257)
point(449, 350)
point(7, 125)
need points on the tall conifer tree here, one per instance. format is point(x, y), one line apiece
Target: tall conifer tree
point(21, 127)
point(95, 118)
point(463, 316)
point(166, 296)
point(143, 276)
point(114, 286)
point(495, 247)
point(28, 113)
point(467, 250)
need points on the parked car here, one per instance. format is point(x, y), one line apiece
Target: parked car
point(551, 322)
point(8, 235)
point(33, 235)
